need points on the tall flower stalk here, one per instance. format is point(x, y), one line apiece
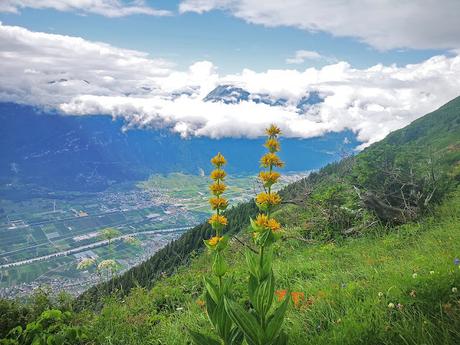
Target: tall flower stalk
point(262, 324)
point(217, 288)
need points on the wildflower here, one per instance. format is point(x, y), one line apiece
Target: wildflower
point(297, 297)
point(85, 263)
point(273, 131)
point(201, 303)
point(280, 294)
point(107, 265)
point(413, 293)
point(273, 225)
point(454, 290)
point(380, 294)
point(218, 160)
point(217, 219)
point(391, 305)
point(266, 200)
point(218, 203)
point(271, 160)
point(269, 178)
point(217, 188)
point(218, 174)
point(399, 306)
point(213, 241)
point(263, 221)
point(414, 275)
point(272, 145)
point(456, 261)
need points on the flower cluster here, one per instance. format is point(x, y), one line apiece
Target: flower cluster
point(266, 200)
point(264, 222)
point(217, 202)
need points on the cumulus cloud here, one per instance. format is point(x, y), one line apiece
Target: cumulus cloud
point(384, 24)
point(108, 8)
point(79, 77)
point(301, 55)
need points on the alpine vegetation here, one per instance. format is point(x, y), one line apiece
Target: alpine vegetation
point(261, 324)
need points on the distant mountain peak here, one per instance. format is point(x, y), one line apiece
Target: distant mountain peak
point(230, 94)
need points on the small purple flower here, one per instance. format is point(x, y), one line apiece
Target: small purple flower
point(456, 261)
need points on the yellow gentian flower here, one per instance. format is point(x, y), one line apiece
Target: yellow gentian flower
point(270, 159)
point(218, 174)
point(218, 203)
point(218, 160)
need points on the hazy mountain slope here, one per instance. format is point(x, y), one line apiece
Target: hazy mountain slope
point(92, 152)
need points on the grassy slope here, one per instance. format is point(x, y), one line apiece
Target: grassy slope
point(341, 283)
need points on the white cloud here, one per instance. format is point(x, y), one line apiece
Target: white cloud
point(301, 55)
point(384, 24)
point(83, 78)
point(108, 8)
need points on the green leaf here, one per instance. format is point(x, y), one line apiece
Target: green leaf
point(263, 295)
point(212, 289)
point(219, 267)
point(281, 340)
point(223, 322)
point(276, 320)
point(236, 336)
point(245, 321)
point(266, 267)
point(252, 262)
point(211, 307)
point(201, 339)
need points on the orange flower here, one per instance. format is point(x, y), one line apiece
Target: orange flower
point(269, 178)
point(273, 131)
point(201, 303)
point(218, 160)
point(217, 188)
point(218, 174)
point(217, 219)
point(272, 145)
point(270, 159)
point(297, 297)
point(218, 203)
point(268, 199)
point(280, 294)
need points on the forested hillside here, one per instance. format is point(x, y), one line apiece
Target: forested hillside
point(370, 244)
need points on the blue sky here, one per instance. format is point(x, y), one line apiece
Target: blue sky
point(230, 42)
point(377, 65)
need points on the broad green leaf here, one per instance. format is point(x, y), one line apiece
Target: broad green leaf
point(219, 267)
point(276, 320)
point(212, 289)
point(245, 321)
point(263, 295)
